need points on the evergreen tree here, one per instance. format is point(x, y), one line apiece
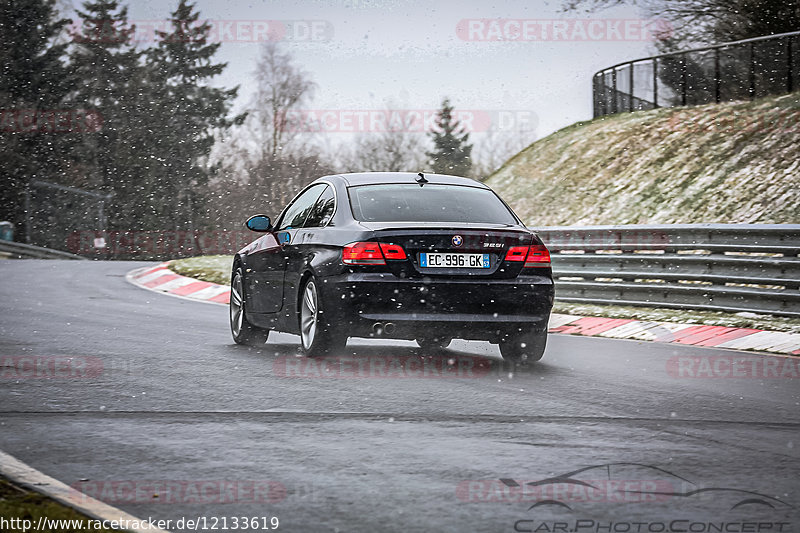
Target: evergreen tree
point(106, 64)
point(182, 64)
point(452, 151)
point(33, 80)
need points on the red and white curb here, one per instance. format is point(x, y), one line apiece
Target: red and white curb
point(160, 278)
point(690, 334)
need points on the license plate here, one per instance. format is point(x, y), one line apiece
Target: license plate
point(429, 260)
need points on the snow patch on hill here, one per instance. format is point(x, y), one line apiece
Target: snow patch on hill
point(724, 163)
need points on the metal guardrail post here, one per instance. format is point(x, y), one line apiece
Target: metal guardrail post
point(596, 96)
point(630, 86)
point(683, 79)
point(655, 82)
point(614, 107)
point(789, 66)
point(752, 90)
point(717, 77)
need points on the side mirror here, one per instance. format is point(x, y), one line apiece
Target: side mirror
point(260, 223)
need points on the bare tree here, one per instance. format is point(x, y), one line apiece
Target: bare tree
point(403, 146)
point(282, 88)
point(694, 22)
point(496, 147)
point(399, 148)
point(267, 160)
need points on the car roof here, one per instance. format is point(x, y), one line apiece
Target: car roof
point(371, 178)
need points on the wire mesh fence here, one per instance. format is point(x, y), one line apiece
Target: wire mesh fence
point(54, 211)
point(73, 220)
point(733, 71)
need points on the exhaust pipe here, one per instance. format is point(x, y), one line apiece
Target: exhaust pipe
point(377, 329)
point(388, 328)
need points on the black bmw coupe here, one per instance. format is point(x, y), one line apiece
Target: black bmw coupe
point(398, 255)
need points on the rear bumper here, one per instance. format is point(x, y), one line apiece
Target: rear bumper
point(458, 308)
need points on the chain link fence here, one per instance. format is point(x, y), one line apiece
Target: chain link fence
point(740, 70)
point(55, 211)
point(73, 220)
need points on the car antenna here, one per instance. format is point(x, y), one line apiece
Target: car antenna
point(421, 179)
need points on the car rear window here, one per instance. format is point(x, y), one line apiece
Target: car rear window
point(431, 203)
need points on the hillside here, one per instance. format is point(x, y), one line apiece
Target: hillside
point(733, 162)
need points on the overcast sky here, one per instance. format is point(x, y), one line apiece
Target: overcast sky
point(364, 54)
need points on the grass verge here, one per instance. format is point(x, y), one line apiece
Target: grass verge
point(213, 268)
point(20, 503)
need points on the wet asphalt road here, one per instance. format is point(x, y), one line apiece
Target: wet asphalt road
point(161, 397)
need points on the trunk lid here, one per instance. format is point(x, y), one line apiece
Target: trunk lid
point(465, 250)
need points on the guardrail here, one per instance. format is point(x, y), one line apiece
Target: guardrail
point(715, 267)
point(18, 250)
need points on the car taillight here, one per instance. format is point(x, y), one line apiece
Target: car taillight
point(363, 253)
point(393, 251)
point(538, 256)
point(517, 253)
point(534, 256)
point(371, 253)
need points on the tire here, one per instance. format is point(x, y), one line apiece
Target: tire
point(434, 344)
point(528, 347)
point(243, 331)
point(317, 336)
